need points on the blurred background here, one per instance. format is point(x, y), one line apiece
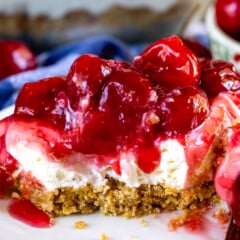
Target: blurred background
point(49, 23)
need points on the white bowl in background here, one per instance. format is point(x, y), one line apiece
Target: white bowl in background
point(222, 46)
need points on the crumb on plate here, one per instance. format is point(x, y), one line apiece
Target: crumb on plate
point(191, 219)
point(104, 237)
point(80, 224)
point(144, 222)
point(222, 215)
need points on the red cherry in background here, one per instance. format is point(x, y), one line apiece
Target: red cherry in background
point(15, 57)
point(228, 17)
point(218, 76)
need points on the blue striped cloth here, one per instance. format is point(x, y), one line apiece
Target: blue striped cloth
point(57, 62)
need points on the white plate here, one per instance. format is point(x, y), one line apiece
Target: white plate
point(116, 228)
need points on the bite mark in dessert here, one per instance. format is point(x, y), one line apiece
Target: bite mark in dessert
point(227, 175)
point(126, 138)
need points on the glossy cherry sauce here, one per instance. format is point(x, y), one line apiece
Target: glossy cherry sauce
point(25, 211)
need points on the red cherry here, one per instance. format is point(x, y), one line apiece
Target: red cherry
point(170, 63)
point(182, 109)
point(228, 16)
point(218, 76)
point(84, 79)
point(126, 96)
point(15, 57)
point(44, 100)
point(125, 89)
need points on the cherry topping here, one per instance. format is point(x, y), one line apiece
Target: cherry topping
point(182, 109)
point(16, 57)
point(228, 17)
point(98, 135)
point(25, 211)
point(44, 100)
point(169, 62)
point(117, 117)
point(84, 79)
point(123, 91)
point(218, 76)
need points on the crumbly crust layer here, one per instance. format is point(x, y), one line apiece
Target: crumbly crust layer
point(115, 198)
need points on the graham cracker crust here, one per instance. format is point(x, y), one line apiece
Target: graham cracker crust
point(115, 198)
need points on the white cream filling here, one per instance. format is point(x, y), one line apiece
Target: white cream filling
point(171, 171)
point(58, 8)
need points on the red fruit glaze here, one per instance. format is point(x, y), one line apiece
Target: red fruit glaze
point(148, 158)
point(169, 62)
point(116, 118)
point(84, 79)
point(182, 109)
point(15, 57)
point(25, 211)
point(218, 76)
point(44, 100)
point(228, 17)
